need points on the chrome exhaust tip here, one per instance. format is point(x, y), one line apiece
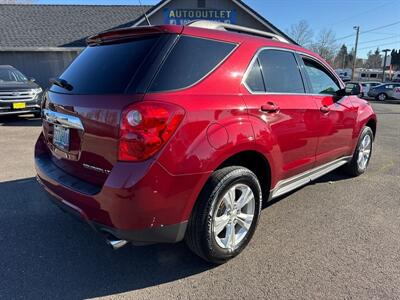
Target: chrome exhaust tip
point(116, 244)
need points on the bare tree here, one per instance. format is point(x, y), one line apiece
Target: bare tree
point(325, 45)
point(17, 1)
point(301, 33)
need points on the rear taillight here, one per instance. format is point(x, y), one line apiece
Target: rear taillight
point(146, 127)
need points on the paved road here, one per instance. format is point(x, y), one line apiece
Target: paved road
point(336, 238)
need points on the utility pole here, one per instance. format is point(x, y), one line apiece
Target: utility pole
point(357, 28)
point(384, 64)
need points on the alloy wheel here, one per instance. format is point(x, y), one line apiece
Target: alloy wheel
point(364, 152)
point(233, 217)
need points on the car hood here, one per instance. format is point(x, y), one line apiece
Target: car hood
point(25, 85)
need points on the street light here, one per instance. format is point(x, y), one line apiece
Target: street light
point(355, 52)
point(384, 64)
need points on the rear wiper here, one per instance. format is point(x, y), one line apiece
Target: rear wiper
point(62, 83)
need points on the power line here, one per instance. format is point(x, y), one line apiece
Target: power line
point(371, 41)
point(369, 30)
point(376, 46)
point(381, 27)
point(360, 14)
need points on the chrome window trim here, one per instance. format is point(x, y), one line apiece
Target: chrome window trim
point(64, 120)
point(280, 93)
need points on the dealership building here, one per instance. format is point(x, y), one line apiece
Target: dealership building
point(41, 40)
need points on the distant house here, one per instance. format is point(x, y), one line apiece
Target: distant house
point(41, 40)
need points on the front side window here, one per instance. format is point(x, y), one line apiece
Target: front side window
point(190, 61)
point(281, 72)
point(320, 80)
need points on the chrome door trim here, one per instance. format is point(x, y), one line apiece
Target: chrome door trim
point(292, 183)
point(65, 120)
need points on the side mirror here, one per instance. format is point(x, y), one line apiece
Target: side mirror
point(350, 89)
point(32, 79)
point(353, 89)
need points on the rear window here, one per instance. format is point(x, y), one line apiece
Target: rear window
point(189, 62)
point(108, 68)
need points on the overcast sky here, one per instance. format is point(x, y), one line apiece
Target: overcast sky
point(339, 15)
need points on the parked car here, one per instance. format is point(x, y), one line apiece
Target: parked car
point(366, 86)
point(383, 92)
point(170, 133)
point(18, 94)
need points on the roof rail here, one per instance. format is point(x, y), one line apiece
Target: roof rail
point(236, 28)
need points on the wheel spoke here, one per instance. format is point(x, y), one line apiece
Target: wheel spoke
point(360, 157)
point(245, 197)
point(220, 223)
point(229, 240)
point(229, 198)
point(244, 220)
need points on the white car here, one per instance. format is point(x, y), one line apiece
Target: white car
point(396, 93)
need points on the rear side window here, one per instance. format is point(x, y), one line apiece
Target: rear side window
point(281, 72)
point(254, 80)
point(108, 68)
point(190, 61)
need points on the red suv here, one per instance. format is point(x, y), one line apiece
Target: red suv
point(170, 133)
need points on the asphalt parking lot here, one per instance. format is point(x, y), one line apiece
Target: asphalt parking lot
point(338, 238)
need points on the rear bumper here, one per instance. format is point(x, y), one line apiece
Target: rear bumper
point(139, 202)
point(166, 234)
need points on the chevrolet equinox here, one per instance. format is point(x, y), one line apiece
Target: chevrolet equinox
point(166, 133)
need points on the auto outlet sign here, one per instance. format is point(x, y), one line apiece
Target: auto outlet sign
point(184, 16)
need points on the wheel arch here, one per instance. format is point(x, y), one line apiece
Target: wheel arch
point(255, 162)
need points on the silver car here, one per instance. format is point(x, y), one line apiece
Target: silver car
point(366, 86)
point(383, 92)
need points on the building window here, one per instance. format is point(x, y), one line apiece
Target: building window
point(201, 3)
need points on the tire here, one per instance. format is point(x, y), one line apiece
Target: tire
point(381, 97)
point(213, 204)
point(354, 168)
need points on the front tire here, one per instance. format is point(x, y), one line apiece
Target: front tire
point(226, 214)
point(362, 155)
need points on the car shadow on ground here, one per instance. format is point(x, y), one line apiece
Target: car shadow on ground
point(47, 254)
point(24, 120)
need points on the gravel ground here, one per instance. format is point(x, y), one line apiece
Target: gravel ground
point(336, 238)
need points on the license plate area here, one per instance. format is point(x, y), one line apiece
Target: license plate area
point(19, 105)
point(61, 137)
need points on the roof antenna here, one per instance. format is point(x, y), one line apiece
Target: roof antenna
point(145, 15)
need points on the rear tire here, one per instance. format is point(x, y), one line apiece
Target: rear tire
point(226, 215)
point(362, 155)
point(381, 97)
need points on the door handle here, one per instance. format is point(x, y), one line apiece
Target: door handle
point(270, 107)
point(324, 109)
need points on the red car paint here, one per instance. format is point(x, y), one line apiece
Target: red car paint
point(221, 119)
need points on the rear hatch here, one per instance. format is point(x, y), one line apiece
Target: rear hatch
point(82, 110)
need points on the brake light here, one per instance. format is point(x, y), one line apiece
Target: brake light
point(145, 128)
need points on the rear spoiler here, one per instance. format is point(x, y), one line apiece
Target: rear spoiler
point(131, 32)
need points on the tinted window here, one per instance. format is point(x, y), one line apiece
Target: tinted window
point(108, 68)
point(281, 72)
point(320, 80)
point(254, 80)
point(189, 61)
